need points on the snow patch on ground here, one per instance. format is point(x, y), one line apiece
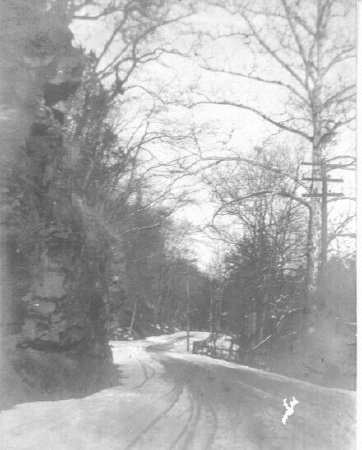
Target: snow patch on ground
point(207, 361)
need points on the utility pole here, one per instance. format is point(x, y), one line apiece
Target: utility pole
point(324, 217)
point(188, 310)
point(211, 316)
point(323, 168)
point(190, 261)
point(219, 311)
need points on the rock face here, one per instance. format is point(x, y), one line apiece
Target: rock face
point(54, 260)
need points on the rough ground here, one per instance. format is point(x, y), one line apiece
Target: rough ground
point(171, 400)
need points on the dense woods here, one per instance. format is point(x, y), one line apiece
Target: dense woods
point(106, 154)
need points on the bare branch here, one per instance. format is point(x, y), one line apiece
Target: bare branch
point(258, 113)
point(252, 162)
point(335, 98)
point(262, 193)
point(338, 199)
point(273, 53)
point(256, 78)
point(340, 228)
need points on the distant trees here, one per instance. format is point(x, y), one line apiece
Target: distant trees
point(263, 200)
point(265, 268)
point(156, 276)
point(257, 295)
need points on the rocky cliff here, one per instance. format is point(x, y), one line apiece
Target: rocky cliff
point(54, 258)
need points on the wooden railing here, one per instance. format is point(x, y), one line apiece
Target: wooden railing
point(247, 357)
point(206, 347)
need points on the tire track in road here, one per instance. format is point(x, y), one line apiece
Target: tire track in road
point(198, 420)
point(203, 425)
point(145, 372)
point(205, 409)
point(162, 414)
point(215, 423)
point(197, 407)
point(184, 429)
point(190, 428)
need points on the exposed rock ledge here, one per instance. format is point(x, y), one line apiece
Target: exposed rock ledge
point(52, 304)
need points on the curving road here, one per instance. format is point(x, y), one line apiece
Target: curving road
point(171, 400)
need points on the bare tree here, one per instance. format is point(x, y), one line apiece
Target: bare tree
point(132, 31)
point(114, 138)
point(263, 218)
point(306, 50)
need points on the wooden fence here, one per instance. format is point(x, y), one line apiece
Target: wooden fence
point(206, 347)
point(251, 356)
